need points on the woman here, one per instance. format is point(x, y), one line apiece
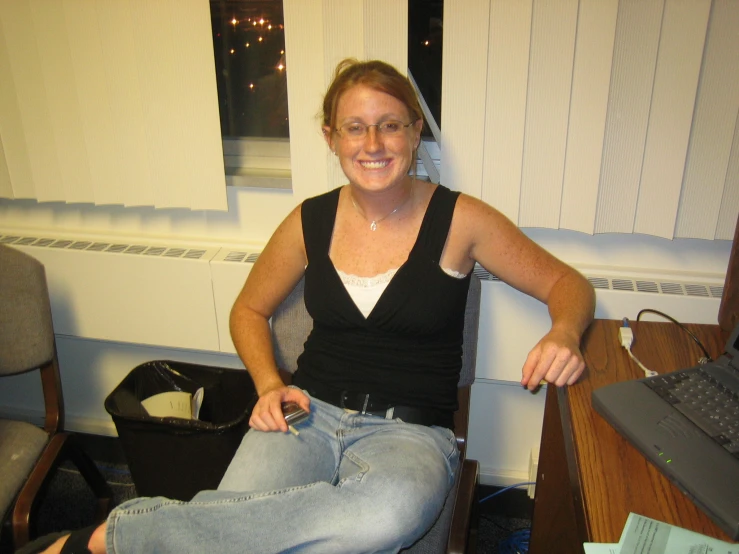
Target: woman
point(386, 260)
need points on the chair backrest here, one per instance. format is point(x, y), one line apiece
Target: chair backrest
point(471, 327)
point(26, 331)
point(26, 328)
point(291, 325)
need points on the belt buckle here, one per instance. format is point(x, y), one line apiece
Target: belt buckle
point(365, 402)
point(342, 400)
point(345, 394)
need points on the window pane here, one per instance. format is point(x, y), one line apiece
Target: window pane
point(249, 49)
point(424, 51)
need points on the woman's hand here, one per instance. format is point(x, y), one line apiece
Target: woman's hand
point(267, 413)
point(556, 359)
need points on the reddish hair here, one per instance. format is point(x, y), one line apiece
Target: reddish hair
point(375, 74)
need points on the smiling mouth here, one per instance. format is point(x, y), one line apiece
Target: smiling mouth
point(374, 165)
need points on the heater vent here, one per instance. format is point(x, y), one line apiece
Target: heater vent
point(117, 248)
point(61, 244)
point(483, 274)
point(699, 290)
point(647, 286)
point(135, 249)
point(155, 251)
point(235, 257)
point(239, 256)
point(599, 282)
point(671, 288)
point(622, 284)
point(716, 291)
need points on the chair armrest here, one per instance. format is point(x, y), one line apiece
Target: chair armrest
point(463, 530)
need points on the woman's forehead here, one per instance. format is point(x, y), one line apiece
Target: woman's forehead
point(359, 100)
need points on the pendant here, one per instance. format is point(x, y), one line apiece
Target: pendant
point(373, 226)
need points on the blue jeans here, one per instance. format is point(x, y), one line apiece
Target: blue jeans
point(347, 483)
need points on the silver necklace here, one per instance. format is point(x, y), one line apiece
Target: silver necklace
point(374, 222)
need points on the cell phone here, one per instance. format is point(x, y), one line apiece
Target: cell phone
point(293, 413)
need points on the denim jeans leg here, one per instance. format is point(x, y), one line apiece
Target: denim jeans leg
point(381, 486)
point(274, 461)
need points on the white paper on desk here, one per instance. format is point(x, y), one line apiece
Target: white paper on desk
point(642, 535)
point(600, 548)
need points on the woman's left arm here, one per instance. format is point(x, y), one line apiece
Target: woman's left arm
point(501, 248)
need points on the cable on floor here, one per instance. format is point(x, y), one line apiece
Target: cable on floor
point(504, 489)
point(515, 543)
point(518, 541)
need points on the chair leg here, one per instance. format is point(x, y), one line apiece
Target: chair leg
point(93, 477)
point(28, 497)
point(474, 519)
point(465, 519)
point(62, 446)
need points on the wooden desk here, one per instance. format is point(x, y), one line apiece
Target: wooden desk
point(589, 477)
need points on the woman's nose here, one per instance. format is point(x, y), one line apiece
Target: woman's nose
point(373, 140)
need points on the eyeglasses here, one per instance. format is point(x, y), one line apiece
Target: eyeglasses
point(389, 128)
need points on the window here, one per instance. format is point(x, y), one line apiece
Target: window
point(425, 33)
point(249, 52)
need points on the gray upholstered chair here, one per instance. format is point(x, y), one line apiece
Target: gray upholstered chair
point(456, 529)
point(28, 453)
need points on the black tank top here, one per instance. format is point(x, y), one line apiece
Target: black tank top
point(408, 351)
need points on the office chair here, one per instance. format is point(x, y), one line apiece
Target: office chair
point(29, 454)
point(456, 529)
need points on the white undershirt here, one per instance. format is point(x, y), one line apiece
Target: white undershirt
point(366, 291)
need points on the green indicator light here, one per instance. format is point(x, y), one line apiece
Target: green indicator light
point(661, 454)
point(668, 461)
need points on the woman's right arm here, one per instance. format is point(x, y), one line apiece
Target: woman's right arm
point(274, 275)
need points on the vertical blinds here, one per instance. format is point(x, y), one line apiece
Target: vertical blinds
point(318, 35)
point(110, 103)
point(598, 116)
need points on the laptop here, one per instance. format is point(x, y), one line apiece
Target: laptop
point(686, 423)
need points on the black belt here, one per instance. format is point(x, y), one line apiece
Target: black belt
point(368, 404)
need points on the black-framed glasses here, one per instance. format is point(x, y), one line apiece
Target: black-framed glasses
point(389, 128)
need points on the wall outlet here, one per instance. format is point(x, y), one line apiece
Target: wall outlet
point(533, 470)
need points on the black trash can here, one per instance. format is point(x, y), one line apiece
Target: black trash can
point(176, 457)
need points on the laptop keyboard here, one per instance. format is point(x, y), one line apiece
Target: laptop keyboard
point(703, 400)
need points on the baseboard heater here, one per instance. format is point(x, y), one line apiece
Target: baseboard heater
point(180, 296)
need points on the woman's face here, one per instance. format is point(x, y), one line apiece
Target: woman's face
point(376, 161)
